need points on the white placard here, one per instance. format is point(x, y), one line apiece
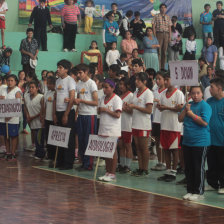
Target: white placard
point(58, 136)
point(101, 146)
point(184, 73)
point(10, 108)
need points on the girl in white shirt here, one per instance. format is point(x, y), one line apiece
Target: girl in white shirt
point(110, 124)
point(112, 55)
point(11, 92)
point(126, 127)
point(190, 48)
point(141, 122)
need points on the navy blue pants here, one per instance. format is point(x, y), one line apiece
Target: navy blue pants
point(87, 124)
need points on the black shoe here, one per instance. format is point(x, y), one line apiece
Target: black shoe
point(66, 168)
point(170, 178)
point(183, 181)
point(119, 168)
point(137, 173)
point(125, 170)
point(145, 173)
point(180, 171)
point(162, 178)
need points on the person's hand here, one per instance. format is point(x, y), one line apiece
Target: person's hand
point(65, 119)
point(114, 34)
point(28, 119)
point(190, 113)
point(161, 107)
point(103, 109)
point(105, 44)
point(7, 119)
point(66, 100)
point(32, 56)
point(214, 65)
point(188, 107)
point(63, 26)
point(178, 107)
point(131, 106)
point(2, 97)
point(51, 26)
point(156, 100)
point(77, 101)
point(29, 25)
point(55, 119)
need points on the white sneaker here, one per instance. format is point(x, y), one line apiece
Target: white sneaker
point(110, 178)
point(187, 196)
point(37, 158)
point(102, 177)
point(196, 197)
point(65, 50)
point(209, 188)
point(102, 162)
point(30, 148)
point(2, 149)
point(73, 50)
point(221, 191)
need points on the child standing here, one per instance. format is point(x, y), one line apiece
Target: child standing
point(89, 11)
point(171, 102)
point(11, 92)
point(112, 55)
point(110, 124)
point(3, 10)
point(190, 48)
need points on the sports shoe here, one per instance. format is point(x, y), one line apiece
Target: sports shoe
point(30, 148)
point(187, 196)
point(170, 178)
point(73, 50)
point(3, 149)
point(102, 177)
point(145, 173)
point(196, 197)
point(209, 188)
point(137, 173)
point(13, 157)
point(8, 156)
point(37, 158)
point(221, 191)
point(125, 170)
point(159, 167)
point(110, 178)
point(162, 178)
point(65, 50)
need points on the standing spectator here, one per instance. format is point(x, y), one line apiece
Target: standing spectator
point(69, 15)
point(209, 52)
point(41, 15)
point(5, 56)
point(202, 67)
point(112, 55)
point(125, 23)
point(218, 17)
point(176, 25)
point(89, 11)
point(161, 24)
point(206, 21)
point(137, 25)
point(3, 10)
point(117, 14)
point(150, 55)
point(190, 48)
point(29, 50)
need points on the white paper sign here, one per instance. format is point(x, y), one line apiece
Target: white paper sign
point(10, 108)
point(184, 73)
point(101, 146)
point(58, 136)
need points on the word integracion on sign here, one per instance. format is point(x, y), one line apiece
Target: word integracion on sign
point(184, 73)
point(58, 136)
point(10, 108)
point(101, 146)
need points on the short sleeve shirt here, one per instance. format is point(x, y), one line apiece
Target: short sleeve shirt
point(4, 7)
point(162, 23)
point(209, 53)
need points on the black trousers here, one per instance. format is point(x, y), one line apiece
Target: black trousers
point(66, 155)
point(40, 34)
point(27, 69)
point(218, 33)
point(50, 148)
point(194, 159)
point(70, 32)
point(215, 172)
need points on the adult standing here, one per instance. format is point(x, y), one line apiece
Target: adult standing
point(218, 17)
point(41, 16)
point(128, 44)
point(151, 44)
point(161, 24)
point(29, 50)
point(69, 16)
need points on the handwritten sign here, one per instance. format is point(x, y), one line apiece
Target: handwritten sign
point(10, 108)
point(184, 73)
point(101, 146)
point(58, 136)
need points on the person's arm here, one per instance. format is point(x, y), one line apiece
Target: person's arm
point(154, 25)
point(33, 14)
point(197, 119)
point(26, 113)
point(103, 37)
point(54, 109)
point(49, 18)
point(108, 58)
point(42, 112)
point(177, 108)
point(120, 19)
point(221, 56)
point(215, 59)
point(125, 24)
point(93, 102)
point(63, 18)
point(115, 114)
point(146, 110)
point(183, 113)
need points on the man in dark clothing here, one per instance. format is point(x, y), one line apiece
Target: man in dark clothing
point(218, 17)
point(41, 16)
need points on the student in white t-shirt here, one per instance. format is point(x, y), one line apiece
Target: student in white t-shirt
point(126, 127)
point(10, 92)
point(141, 121)
point(48, 116)
point(3, 10)
point(112, 55)
point(64, 114)
point(110, 124)
point(171, 102)
point(33, 104)
point(156, 121)
point(87, 101)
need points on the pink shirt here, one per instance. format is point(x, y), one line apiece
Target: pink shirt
point(127, 46)
point(70, 14)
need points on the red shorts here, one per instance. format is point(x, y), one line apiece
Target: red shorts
point(140, 133)
point(170, 139)
point(126, 137)
point(2, 24)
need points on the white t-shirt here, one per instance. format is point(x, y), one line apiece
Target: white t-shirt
point(169, 119)
point(207, 93)
point(110, 126)
point(126, 118)
point(48, 100)
point(10, 95)
point(142, 121)
point(85, 91)
point(34, 107)
point(156, 113)
point(89, 11)
point(3, 8)
point(100, 95)
point(63, 87)
point(112, 57)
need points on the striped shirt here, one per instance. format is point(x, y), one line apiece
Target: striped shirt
point(69, 15)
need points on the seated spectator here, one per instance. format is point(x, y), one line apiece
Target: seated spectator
point(205, 79)
point(190, 48)
point(5, 56)
point(202, 67)
point(122, 62)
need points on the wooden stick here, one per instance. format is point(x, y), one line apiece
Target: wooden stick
point(7, 130)
point(186, 95)
point(56, 156)
point(96, 169)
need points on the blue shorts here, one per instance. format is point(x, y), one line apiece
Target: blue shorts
point(13, 130)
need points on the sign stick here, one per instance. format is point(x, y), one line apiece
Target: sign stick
point(56, 156)
point(186, 95)
point(96, 169)
point(7, 130)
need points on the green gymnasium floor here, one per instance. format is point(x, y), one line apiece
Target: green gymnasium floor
point(146, 184)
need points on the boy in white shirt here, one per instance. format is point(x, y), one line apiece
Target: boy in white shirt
point(87, 101)
point(64, 114)
point(171, 102)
